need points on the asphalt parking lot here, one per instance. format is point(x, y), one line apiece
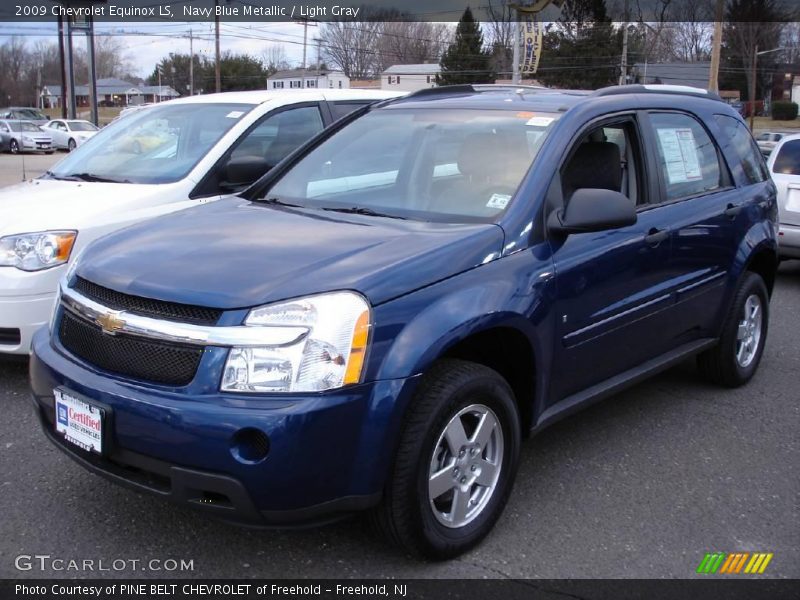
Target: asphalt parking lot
point(641, 485)
point(15, 168)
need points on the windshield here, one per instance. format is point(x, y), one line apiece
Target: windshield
point(29, 113)
point(157, 145)
point(81, 126)
point(433, 164)
point(24, 126)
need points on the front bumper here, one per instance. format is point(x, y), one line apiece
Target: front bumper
point(789, 241)
point(329, 453)
point(35, 146)
point(20, 318)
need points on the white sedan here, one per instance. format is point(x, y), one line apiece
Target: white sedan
point(69, 134)
point(172, 156)
point(784, 166)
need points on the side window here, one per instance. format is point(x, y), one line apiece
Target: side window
point(688, 158)
point(280, 133)
point(342, 109)
point(787, 162)
point(605, 158)
point(744, 147)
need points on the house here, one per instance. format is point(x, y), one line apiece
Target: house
point(410, 78)
point(296, 79)
point(696, 74)
point(110, 92)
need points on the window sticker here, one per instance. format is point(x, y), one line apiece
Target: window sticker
point(234, 114)
point(680, 154)
point(498, 201)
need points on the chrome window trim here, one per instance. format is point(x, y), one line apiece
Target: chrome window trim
point(179, 333)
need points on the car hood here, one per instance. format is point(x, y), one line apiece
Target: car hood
point(42, 204)
point(238, 254)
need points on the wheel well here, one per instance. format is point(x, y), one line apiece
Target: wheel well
point(764, 264)
point(508, 352)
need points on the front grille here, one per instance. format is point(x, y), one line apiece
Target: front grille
point(148, 360)
point(170, 311)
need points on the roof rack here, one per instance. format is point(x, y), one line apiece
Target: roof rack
point(653, 88)
point(471, 88)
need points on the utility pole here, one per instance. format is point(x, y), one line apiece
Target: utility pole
point(305, 41)
point(191, 64)
point(716, 46)
point(63, 67)
point(92, 70)
point(318, 58)
point(623, 75)
point(217, 72)
point(753, 86)
point(70, 74)
point(158, 97)
point(515, 54)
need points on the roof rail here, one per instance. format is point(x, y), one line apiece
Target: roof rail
point(507, 86)
point(443, 90)
point(653, 88)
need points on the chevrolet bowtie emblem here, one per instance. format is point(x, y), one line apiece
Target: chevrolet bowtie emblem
point(110, 323)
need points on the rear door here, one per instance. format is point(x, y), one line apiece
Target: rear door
point(785, 168)
point(700, 200)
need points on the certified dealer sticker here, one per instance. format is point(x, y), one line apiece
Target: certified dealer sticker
point(79, 422)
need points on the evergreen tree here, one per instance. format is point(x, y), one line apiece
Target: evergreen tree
point(582, 51)
point(465, 60)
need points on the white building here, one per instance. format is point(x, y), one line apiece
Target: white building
point(410, 78)
point(310, 78)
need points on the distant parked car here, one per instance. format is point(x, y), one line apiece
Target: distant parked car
point(190, 151)
point(784, 166)
point(768, 140)
point(21, 113)
point(68, 134)
point(24, 136)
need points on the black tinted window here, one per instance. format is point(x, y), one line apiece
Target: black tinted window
point(744, 146)
point(341, 109)
point(788, 160)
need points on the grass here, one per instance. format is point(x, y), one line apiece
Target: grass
point(767, 124)
point(106, 114)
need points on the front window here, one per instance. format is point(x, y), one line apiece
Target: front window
point(29, 113)
point(451, 165)
point(160, 144)
point(24, 126)
point(81, 126)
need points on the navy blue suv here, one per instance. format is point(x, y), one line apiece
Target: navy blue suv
point(379, 322)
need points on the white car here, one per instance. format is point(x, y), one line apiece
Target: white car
point(169, 157)
point(767, 141)
point(69, 134)
point(784, 166)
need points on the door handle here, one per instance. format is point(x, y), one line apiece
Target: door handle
point(655, 236)
point(732, 210)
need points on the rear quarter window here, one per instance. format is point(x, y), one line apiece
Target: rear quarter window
point(787, 162)
point(744, 147)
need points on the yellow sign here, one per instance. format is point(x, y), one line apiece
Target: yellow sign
point(532, 36)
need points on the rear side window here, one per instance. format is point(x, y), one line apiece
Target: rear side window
point(787, 162)
point(342, 109)
point(745, 147)
point(687, 156)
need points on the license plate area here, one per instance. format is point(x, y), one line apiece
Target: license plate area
point(78, 420)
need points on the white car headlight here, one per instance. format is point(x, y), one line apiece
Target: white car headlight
point(329, 356)
point(27, 138)
point(36, 251)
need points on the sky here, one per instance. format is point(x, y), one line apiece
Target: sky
point(147, 43)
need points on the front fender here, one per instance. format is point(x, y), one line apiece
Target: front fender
point(515, 292)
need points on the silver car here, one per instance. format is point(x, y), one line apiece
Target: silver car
point(784, 166)
point(22, 113)
point(24, 136)
point(767, 141)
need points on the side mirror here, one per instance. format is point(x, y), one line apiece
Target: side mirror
point(241, 171)
point(592, 209)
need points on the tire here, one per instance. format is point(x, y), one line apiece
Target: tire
point(48, 152)
point(71, 145)
point(453, 391)
point(13, 147)
point(734, 361)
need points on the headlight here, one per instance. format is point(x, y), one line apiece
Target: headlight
point(329, 356)
point(26, 138)
point(36, 251)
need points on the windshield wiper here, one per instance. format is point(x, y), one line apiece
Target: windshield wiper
point(52, 175)
point(361, 210)
point(94, 178)
point(276, 201)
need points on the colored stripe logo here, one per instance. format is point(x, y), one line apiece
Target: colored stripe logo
point(753, 563)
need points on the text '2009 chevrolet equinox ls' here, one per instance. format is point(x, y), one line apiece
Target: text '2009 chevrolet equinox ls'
point(377, 323)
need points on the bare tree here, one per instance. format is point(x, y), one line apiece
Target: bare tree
point(274, 58)
point(410, 42)
point(351, 46)
point(500, 28)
